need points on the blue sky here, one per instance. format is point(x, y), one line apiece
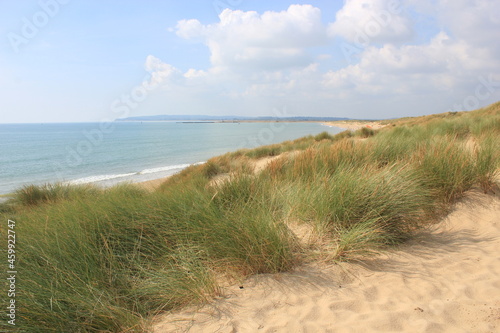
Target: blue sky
point(75, 60)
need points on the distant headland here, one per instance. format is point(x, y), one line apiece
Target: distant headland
point(206, 118)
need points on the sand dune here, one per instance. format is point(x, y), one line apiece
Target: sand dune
point(445, 280)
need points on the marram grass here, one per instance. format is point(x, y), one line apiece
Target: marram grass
point(107, 260)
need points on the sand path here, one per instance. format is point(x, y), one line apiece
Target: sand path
point(445, 280)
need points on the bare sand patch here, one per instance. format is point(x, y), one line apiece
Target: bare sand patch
point(355, 125)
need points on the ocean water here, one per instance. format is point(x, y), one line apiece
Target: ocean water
point(106, 154)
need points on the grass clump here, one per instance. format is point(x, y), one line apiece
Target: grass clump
point(343, 135)
point(361, 209)
point(211, 169)
point(323, 136)
point(449, 168)
point(365, 132)
point(272, 150)
point(360, 240)
point(487, 162)
point(32, 195)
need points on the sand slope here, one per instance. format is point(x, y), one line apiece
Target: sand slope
point(446, 280)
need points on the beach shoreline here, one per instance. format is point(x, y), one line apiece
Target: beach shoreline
point(353, 125)
point(153, 184)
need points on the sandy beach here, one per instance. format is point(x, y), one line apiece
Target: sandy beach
point(152, 185)
point(445, 280)
point(354, 125)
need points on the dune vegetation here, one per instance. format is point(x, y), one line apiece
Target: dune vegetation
point(108, 260)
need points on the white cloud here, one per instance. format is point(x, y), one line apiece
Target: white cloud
point(161, 72)
point(366, 22)
point(476, 22)
point(440, 65)
point(249, 40)
point(189, 29)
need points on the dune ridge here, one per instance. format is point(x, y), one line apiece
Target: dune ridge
point(445, 280)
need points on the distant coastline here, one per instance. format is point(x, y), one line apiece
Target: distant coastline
point(207, 118)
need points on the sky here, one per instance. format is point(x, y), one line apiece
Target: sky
point(92, 60)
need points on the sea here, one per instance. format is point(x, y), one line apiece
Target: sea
point(109, 153)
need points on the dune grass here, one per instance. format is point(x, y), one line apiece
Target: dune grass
point(32, 195)
point(107, 260)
